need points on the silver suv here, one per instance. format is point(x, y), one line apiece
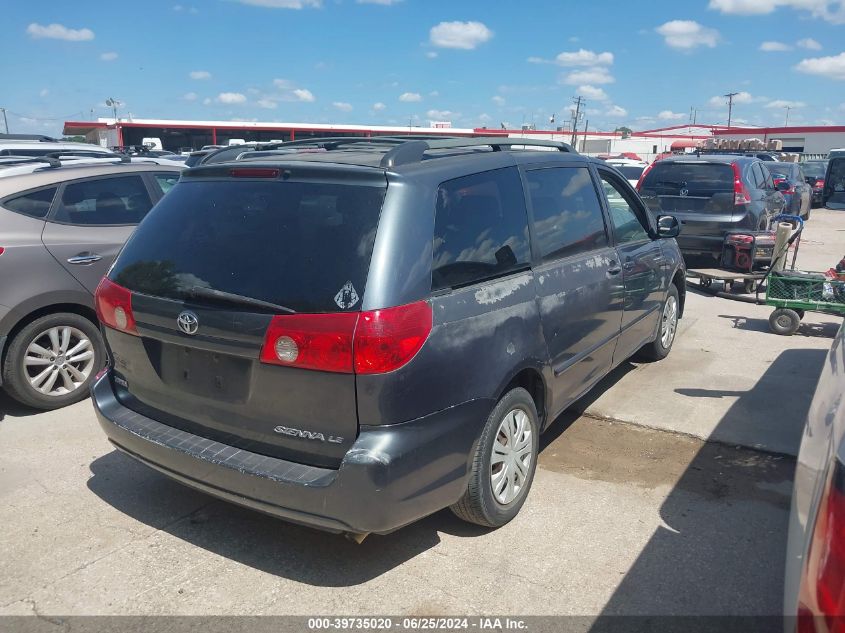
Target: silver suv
point(60, 228)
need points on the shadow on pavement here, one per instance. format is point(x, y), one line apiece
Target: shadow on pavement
point(274, 546)
point(821, 330)
point(721, 548)
point(13, 408)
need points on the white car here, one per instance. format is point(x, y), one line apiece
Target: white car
point(14, 147)
point(631, 169)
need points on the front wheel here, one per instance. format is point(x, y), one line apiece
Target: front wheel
point(52, 361)
point(784, 321)
point(504, 462)
point(660, 347)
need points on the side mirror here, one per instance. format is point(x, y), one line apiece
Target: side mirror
point(782, 186)
point(668, 226)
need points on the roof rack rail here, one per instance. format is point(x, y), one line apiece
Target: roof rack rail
point(414, 151)
point(22, 160)
point(74, 155)
point(28, 137)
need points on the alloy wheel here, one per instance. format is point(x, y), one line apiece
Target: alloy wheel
point(59, 361)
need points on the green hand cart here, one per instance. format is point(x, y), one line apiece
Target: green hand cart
point(794, 293)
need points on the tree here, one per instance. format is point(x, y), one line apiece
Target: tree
point(625, 131)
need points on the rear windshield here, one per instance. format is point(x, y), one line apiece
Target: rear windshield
point(815, 169)
point(698, 179)
point(631, 172)
point(784, 170)
point(306, 246)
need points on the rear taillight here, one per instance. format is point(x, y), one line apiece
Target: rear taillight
point(642, 177)
point(741, 195)
point(311, 341)
point(819, 184)
point(371, 342)
point(114, 307)
point(822, 593)
point(2, 250)
point(387, 339)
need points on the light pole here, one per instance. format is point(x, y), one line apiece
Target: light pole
point(113, 104)
point(5, 121)
point(788, 108)
point(730, 97)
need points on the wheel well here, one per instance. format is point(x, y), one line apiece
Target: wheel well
point(680, 282)
point(55, 308)
point(532, 382)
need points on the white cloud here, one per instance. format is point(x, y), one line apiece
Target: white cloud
point(59, 32)
point(686, 35)
point(285, 84)
point(499, 101)
point(774, 47)
point(831, 67)
point(343, 106)
point(283, 4)
point(108, 57)
point(386, 3)
point(44, 92)
point(809, 43)
point(460, 35)
point(783, 103)
point(584, 57)
point(206, 101)
point(190, 96)
point(378, 107)
point(739, 98)
point(598, 75)
point(616, 111)
point(231, 98)
point(180, 8)
point(410, 97)
point(199, 74)
point(484, 117)
point(268, 104)
point(830, 10)
point(302, 94)
point(668, 115)
point(592, 93)
point(431, 54)
point(442, 114)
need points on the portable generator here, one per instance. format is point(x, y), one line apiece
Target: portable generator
point(746, 251)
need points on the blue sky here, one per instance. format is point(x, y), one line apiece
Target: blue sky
point(641, 64)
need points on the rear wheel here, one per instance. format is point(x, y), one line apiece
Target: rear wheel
point(660, 347)
point(52, 361)
point(504, 462)
point(784, 321)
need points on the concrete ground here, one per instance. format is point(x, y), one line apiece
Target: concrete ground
point(729, 378)
point(621, 520)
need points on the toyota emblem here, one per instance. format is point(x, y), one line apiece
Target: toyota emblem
point(188, 322)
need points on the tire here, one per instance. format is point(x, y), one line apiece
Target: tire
point(660, 347)
point(481, 504)
point(68, 381)
point(784, 321)
point(809, 209)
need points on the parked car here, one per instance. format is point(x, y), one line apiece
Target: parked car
point(60, 227)
point(815, 555)
point(799, 195)
point(631, 169)
point(833, 194)
point(711, 195)
point(356, 338)
point(815, 170)
point(16, 146)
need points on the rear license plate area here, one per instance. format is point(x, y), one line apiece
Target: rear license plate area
point(206, 374)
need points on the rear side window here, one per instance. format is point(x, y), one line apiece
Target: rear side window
point(481, 229)
point(104, 201)
point(303, 245)
point(699, 179)
point(567, 214)
point(35, 204)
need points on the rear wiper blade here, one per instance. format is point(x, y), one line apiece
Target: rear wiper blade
point(211, 293)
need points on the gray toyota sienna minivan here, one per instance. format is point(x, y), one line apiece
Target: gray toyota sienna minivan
point(358, 337)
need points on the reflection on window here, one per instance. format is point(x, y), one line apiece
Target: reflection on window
point(567, 214)
point(481, 228)
point(625, 222)
point(122, 200)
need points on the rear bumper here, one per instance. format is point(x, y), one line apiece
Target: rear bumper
point(390, 477)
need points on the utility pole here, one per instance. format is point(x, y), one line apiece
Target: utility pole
point(730, 97)
point(579, 101)
point(788, 108)
point(5, 121)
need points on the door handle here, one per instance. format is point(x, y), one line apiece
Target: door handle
point(84, 258)
point(614, 270)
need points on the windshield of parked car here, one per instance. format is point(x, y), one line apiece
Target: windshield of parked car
point(631, 172)
point(302, 245)
point(693, 178)
point(815, 168)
